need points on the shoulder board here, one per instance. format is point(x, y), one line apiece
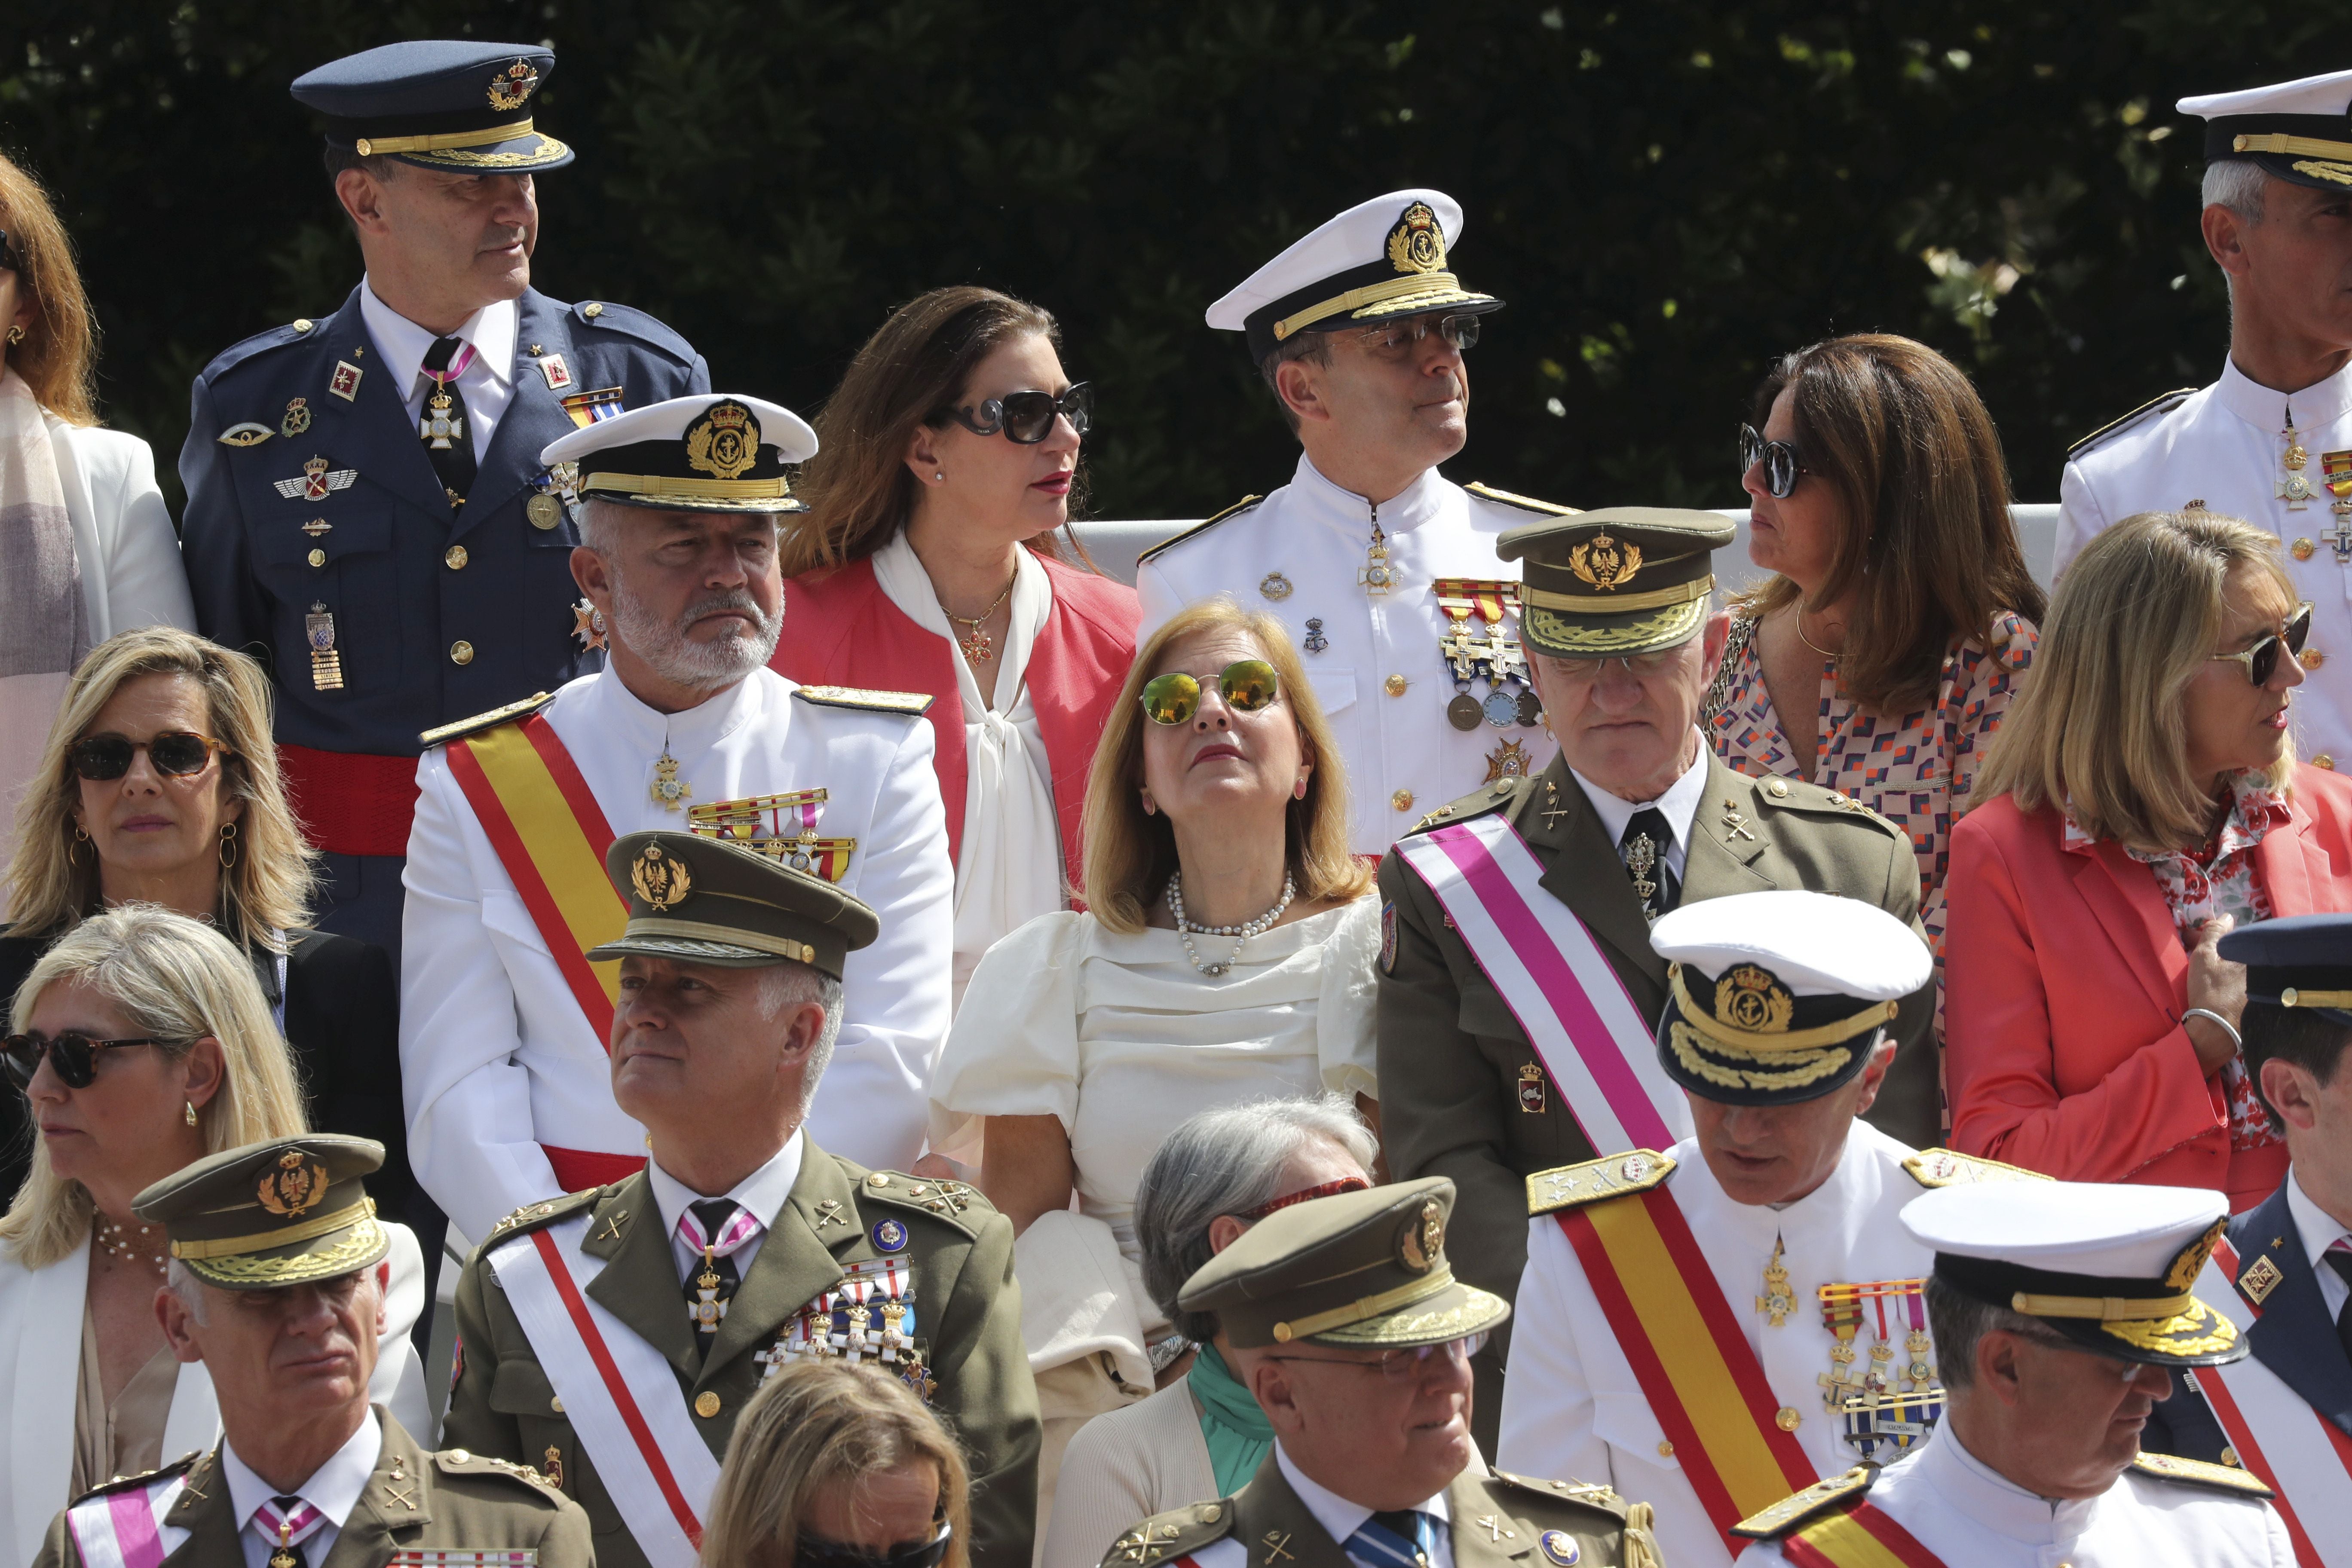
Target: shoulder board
point(1943, 1168)
point(1171, 1534)
point(461, 1462)
point(1478, 802)
point(1590, 1493)
point(1573, 1186)
point(531, 1216)
point(1525, 503)
point(2197, 1473)
point(294, 332)
point(949, 1200)
point(490, 720)
point(2153, 407)
point(914, 704)
point(1173, 540)
point(1799, 794)
point(143, 1478)
point(1838, 1491)
point(633, 322)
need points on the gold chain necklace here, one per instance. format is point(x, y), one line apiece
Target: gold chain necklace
point(977, 645)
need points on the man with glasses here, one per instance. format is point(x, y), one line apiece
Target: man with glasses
point(2062, 1312)
point(1349, 1329)
point(1517, 984)
point(2270, 441)
point(1384, 570)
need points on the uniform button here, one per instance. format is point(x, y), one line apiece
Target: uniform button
point(592, 311)
point(457, 1455)
point(878, 1180)
point(1394, 685)
point(456, 558)
point(1666, 1449)
point(706, 1405)
point(1777, 788)
point(2303, 548)
point(1402, 800)
point(318, 558)
point(1787, 1420)
point(461, 652)
point(556, 1405)
point(2311, 659)
point(2230, 1458)
point(2323, 761)
point(302, 323)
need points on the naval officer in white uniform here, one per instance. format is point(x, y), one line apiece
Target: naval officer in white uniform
point(1360, 328)
point(2271, 440)
point(502, 1058)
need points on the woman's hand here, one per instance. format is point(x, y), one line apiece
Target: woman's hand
point(2216, 983)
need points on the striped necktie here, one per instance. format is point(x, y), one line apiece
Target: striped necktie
point(285, 1523)
point(2339, 1257)
point(1398, 1538)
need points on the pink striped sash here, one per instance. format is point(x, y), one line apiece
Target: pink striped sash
point(125, 1529)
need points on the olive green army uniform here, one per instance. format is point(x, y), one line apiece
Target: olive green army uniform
point(413, 1500)
point(959, 1256)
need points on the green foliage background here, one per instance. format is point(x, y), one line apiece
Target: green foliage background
point(1668, 193)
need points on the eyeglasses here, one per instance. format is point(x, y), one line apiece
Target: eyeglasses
point(73, 1055)
point(2262, 659)
point(1636, 664)
point(816, 1551)
point(1403, 1366)
point(1461, 331)
point(1026, 419)
point(1329, 1189)
point(1781, 464)
point(176, 753)
point(1246, 685)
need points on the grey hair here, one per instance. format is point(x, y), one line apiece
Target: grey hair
point(789, 984)
point(2238, 185)
point(1227, 1162)
point(1313, 347)
point(182, 1282)
point(1960, 1323)
point(599, 528)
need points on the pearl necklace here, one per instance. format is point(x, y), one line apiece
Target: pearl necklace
point(111, 1241)
point(1239, 933)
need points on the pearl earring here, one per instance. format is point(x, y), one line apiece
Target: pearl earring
point(940, 478)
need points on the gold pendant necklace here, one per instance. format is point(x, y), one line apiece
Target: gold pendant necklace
point(977, 645)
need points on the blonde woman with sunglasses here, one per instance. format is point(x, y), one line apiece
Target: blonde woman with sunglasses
point(1225, 955)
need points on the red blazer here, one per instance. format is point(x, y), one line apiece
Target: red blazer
point(840, 629)
point(2064, 984)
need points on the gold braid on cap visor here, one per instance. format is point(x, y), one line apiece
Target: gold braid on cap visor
point(1441, 288)
point(443, 141)
point(2174, 1325)
point(1556, 634)
point(1437, 1280)
point(2294, 996)
point(365, 1243)
point(233, 1246)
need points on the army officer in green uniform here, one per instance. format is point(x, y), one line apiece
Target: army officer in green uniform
point(611, 1338)
point(275, 1284)
point(1351, 1331)
point(1632, 817)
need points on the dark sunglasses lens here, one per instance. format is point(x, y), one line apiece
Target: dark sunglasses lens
point(71, 1055)
point(178, 753)
point(1170, 699)
point(2298, 630)
point(101, 757)
point(1249, 685)
point(1781, 471)
point(1078, 406)
point(20, 1059)
point(1029, 418)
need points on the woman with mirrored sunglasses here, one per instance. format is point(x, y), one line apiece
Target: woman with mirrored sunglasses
point(937, 556)
point(2143, 799)
point(159, 784)
point(141, 1042)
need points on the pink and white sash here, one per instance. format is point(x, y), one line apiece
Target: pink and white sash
point(1586, 1031)
point(125, 1528)
point(2297, 1451)
point(619, 1393)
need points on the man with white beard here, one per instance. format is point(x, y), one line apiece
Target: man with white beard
point(503, 1019)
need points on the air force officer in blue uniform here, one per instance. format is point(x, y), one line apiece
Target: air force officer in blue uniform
point(367, 510)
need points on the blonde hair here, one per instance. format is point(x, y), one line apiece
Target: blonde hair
point(1130, 855)
point(177, 980)
point(59, 356)
point(2101, 730)
point(53, 881)
point(820, 1424)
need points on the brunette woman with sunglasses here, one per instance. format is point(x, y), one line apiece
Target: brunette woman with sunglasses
point(2143, 799)
point(159, 784)
point(936, 557)
point(1224, 954)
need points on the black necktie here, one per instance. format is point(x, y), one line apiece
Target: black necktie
point(1644, 847)
point(442, 427)
point(2339, 1257)
point(710, 1284)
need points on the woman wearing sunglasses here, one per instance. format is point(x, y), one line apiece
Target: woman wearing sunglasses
point(1224, 954)
point(142, 1044)
point(937, 557)
point(2143, 798)
point(159, 784)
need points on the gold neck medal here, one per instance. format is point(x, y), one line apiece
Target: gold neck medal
point(2294, 486)
point(669, 789)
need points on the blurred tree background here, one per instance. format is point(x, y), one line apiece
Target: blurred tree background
point(1668, 193)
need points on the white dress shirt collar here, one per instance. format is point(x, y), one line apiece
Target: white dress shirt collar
point(2314, 407)
point(1417, 503)
point(1339, 1516)
point(1974, 1489)
point(402, 343)
point(764, 1192)
point(333, 1489)
point(1679, 805)
point(2318, 1229)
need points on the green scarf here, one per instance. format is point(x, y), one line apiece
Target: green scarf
point(1237, 1430)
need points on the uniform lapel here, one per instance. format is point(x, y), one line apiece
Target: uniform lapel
point(372, 431)
point(1717, 865)
point(206, 1513)
point(1584, 872)
point(1276, 1527)
point(396, 1497)
point(795, 1262)
point(2123, 897)
point(534, 416)
point(2294, 1337)
point(640, 1284)
point(1502, 1538)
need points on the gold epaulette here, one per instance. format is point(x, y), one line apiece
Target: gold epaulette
point(490, 720)
point(914, 704)
point(142, 1477)
point(1171, 1534)
point(2163, 404)
point(1838, 1491)
point(1174, 539)
point(1525, 503)
point(1800, 795)
point(2197, 1473)
point(947, 1201)
point(1943, 1168)
point(1590, 1493)
point(531, 1216)
point(1477, 802)
point(1573, 1186)
point(461, 1462)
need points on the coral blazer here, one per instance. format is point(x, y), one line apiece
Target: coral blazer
point(840, 629)
point(2064, 982)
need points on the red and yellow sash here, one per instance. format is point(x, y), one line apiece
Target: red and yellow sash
point(1858, 1537)
point(1688, 1353)
point(551, 835)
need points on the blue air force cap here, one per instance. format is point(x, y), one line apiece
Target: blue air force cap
point(2303, 961)
point(461, 107)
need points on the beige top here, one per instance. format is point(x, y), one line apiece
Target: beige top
point(1123, 1468)
point(127, 1436)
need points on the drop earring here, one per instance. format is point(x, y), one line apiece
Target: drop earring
point(1299, 790)
point(191, 1111)
point(73, 848)
point(227, 845)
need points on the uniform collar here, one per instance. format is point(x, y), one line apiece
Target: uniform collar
point(1409, 507)
point(1339, 1517)
point(1967, 1486)
point(2315, 1226)
point(402, 343)
point(334, 1487)
point(1679, 804)
point(2314, 408)
point(638, 725)
point(764, 1192)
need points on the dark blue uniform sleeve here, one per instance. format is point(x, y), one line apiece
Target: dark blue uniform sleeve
point(229, 609)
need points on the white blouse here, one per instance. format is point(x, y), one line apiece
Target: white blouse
point(1122, 1038)
point(1009, 867)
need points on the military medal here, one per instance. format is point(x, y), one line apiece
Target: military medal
point(1885, 1405)
point(706, 1312)
point(868, 1316)
point(1508, 761)
point(1496, 657)
point(1531, 1089)
point(588, 626)
point(346, 383)
point(317, 526)
point(544, 511)
point(669, 789)
point(1777, 1300)
point(1640, 859)
point(438, 426)
point(1464, 711)
point(1316, 641)
point(326, 664)
point(1274, 585)
point(557, 374)
point(298, 417)
point(317, 481)
point(245, 435)
point(1378, 577)
point(2294, 486)
point(587, 407)
point(2336, 467)
point(780, 826)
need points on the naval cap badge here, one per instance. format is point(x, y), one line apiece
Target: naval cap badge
point(724, 442)
point(1417, 243)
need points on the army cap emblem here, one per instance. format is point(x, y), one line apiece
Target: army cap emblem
point(725, 442)
point(290, 1187)
point(1606, 563)
point(660, 880)
point(1424, 1241)
point(511, 87)
point(1417, 243)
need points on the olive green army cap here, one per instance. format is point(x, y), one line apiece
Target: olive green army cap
point(1364, 1271)
point(1625, 580)
point(704, 900)
point(287, 1211)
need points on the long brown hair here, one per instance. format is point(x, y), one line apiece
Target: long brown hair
point(1928, 551)
point(59, 356)
point(858, 488)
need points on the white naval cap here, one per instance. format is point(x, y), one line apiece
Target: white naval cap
point(2300, 131)
point(1383, 257)
point(2108, 1265)
point(710, 451)
point(1774, 997)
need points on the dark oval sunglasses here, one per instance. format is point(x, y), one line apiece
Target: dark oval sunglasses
point(1246, 685)
point(2262, 659)
point(1027, 418)
point(1781, 464)
point(815, 1552)
point(74, 1055)
point(176, 753)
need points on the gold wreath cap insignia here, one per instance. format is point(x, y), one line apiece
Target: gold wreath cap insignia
point(1417, 243)
point(292, 1186)
point(511, 87)
point(2191, 1261)
point(1424, 1239)
point(1606, 563)
point(1750, 998)
point(660, 880)
point(725, 442)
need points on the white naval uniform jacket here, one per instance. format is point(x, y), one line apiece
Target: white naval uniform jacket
point(1403, 759)
point(1571, 1406)
point(2222, 445)
point(496, 1057)
point(1970, 1516)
